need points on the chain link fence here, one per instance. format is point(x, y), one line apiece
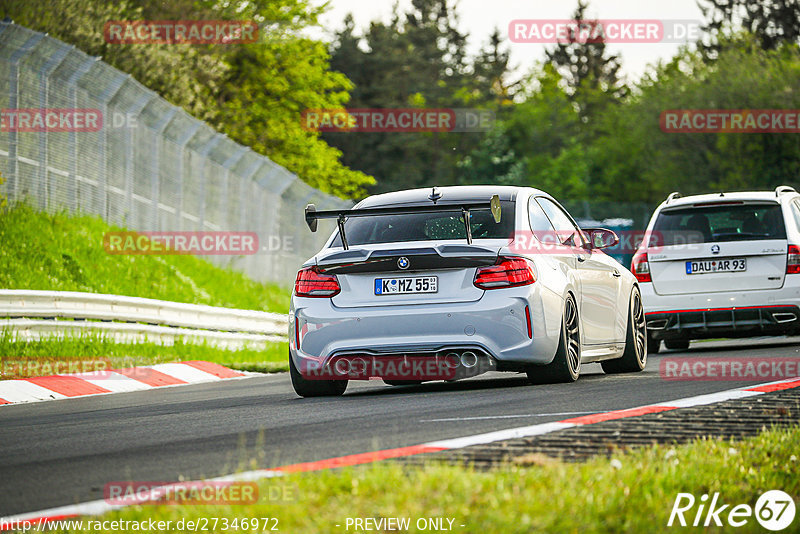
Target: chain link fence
point(149, 166)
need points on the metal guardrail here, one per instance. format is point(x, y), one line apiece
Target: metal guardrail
point(135, 319)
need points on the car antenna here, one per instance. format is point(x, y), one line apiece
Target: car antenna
point(435, 195)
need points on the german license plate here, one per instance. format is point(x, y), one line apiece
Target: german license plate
point(406, 285)
point(722, 265)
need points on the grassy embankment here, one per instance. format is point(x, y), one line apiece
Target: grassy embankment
point(65, 253)
point(631, 492)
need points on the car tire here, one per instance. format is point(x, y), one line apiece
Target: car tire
point(677, 344)
point(566, 365)
point(634, 359)
point(314, 388)
point(653, 345)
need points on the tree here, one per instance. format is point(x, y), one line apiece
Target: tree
point(263, 98)
point(586, 69)
point(418, 59)
point(181, 73)
point(773, 22)
point(492, 162)
point(544, 131)
point(641, 162)
point(254, 93)
point(491, 68)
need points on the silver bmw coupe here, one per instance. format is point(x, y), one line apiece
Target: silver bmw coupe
point(448, 283)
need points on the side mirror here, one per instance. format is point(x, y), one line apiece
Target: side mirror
point(600, 238)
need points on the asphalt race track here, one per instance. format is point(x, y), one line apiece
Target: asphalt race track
point(63, 452)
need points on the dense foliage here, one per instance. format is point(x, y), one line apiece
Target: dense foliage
point(254, 93)
point(571, 124)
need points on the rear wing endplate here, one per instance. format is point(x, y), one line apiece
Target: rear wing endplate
point(312, 215)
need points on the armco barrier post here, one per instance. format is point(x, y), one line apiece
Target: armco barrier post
point(201, 193)
point(134, 110)
point(72, 84)
point(182, 141)
point(228, 165)
point(44, 137)
point(13, 103)
point(102, 180)
point(155, 167)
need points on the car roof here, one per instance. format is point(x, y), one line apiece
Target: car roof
point(721, 197)
point(460, 193)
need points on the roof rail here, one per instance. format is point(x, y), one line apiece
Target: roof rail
point(784, 189)
point(672, 196)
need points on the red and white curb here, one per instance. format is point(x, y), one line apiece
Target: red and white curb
point(43, 388)
point(101, 506)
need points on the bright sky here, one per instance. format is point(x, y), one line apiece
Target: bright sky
point(480, 17)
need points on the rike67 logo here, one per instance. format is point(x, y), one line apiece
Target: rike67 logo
point(774, 510)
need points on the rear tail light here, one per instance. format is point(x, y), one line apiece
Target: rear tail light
point(641, 267)
point(793, 260)
point(312, 283)
point(507, 272)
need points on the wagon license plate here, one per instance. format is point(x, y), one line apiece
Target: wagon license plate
point(723, 265)
point(406, 285)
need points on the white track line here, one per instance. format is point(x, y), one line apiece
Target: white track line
point(501, 435)
point(478, 418)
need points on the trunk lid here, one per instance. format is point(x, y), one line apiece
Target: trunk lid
point(453, 265)
point(765, 267)
point(746, 237)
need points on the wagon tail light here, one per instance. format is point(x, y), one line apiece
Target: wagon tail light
point(507, 272)
point(312, 283)
point(793, 260)
point(641, 267)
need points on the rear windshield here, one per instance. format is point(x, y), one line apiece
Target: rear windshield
point(737, 222)
point(444, 226)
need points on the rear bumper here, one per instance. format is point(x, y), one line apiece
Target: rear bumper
point(495, 325)
point(735, 313)
point(724, 322)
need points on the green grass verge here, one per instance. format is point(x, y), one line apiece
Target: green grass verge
point(19, 359)
point(62, 252)
point(633, 492)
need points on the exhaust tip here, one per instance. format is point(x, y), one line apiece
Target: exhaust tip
point(469, 359)
point(451, 360)
point(784, 317)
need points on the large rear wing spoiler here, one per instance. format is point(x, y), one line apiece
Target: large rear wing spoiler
point(312, 215)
